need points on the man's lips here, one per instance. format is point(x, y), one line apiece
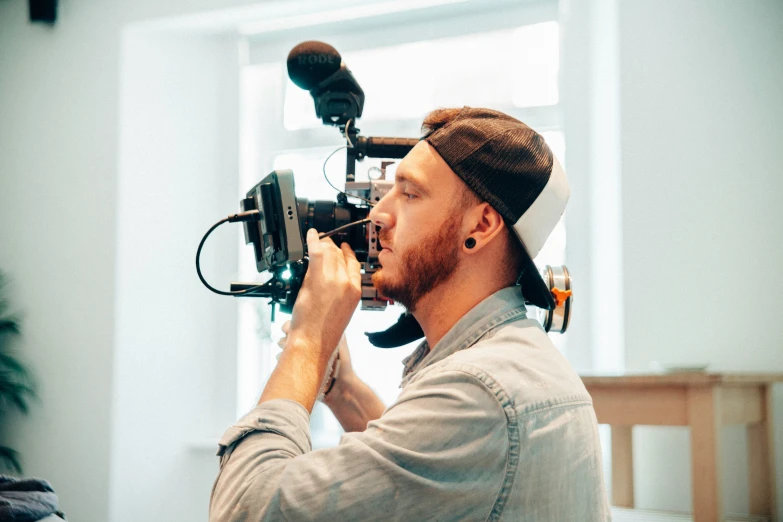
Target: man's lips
point(384, 244)
point(382, 253)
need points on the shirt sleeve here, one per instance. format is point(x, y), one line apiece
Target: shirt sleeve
point(439, 453)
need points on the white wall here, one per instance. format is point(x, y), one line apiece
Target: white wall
point(701, 96)
point(589, 83)
point(175, 348)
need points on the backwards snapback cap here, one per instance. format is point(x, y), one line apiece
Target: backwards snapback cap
point(510, 166)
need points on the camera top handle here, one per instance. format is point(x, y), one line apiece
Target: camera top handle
point(374, 147)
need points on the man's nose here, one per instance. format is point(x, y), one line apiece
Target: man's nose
point(380, 215)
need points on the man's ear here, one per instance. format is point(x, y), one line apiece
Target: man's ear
point(485, 224)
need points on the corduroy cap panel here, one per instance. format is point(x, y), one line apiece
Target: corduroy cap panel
point(503, 160)
point(509, 172)
point(472, 127)
point(468, 131)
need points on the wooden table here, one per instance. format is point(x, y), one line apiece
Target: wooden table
point(704, 402)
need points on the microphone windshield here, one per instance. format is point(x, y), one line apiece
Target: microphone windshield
point(309, 63)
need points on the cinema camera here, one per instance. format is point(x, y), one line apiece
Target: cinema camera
point(276, 221)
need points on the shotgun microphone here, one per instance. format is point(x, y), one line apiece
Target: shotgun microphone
point(310, 63)
point(318, 67)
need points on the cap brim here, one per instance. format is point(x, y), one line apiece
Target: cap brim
point(406, 330)
point(534, 289)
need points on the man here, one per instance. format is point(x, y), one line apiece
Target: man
point(492, 423)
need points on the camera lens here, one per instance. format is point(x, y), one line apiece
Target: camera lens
point(325, 216)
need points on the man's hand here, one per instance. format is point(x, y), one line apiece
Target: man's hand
point(330, 292)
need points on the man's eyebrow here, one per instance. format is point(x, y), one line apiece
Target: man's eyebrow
point(405, 177)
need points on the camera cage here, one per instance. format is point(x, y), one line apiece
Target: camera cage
point(277, 236)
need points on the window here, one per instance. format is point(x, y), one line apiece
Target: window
point(506, 68)
point(509, 66)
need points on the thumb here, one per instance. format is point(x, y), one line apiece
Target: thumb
point(312, 240)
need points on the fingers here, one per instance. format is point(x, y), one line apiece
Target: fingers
point(352, 265)
point(285, 328)
point(326, 258)
point(316, 246)
point(313, 243)
point(348, 253)
point(313, 239)
point(322, 252)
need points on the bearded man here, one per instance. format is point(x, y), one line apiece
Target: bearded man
point(491, 423)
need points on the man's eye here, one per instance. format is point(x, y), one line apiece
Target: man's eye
point(409, 195)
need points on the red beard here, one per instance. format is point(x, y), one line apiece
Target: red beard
point(424, 266)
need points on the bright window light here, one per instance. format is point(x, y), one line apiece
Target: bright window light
point(510, 67)
point(534, 75)
point(307, 165)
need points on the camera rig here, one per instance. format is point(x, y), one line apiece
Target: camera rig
point(278, 235)
point(276, 221)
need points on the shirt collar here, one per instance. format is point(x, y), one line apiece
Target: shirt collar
point(499, 308)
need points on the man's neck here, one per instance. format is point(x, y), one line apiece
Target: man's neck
point(439, 310)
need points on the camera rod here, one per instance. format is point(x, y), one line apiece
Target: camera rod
point(373, 147)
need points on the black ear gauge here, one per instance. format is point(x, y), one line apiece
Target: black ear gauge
point(470, 242)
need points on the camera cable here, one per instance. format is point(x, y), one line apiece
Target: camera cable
point(335, 151)
point(252, 215)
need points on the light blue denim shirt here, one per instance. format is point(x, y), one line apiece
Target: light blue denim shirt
point(492, 424)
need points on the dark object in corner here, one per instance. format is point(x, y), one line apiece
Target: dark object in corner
point(25, 500)
point(43, 11)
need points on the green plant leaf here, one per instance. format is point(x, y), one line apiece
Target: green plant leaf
point(9, 325)
point(15, 393)
point(3, 299)
point(17, 386)
point(10, 459)
point(10, 364)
